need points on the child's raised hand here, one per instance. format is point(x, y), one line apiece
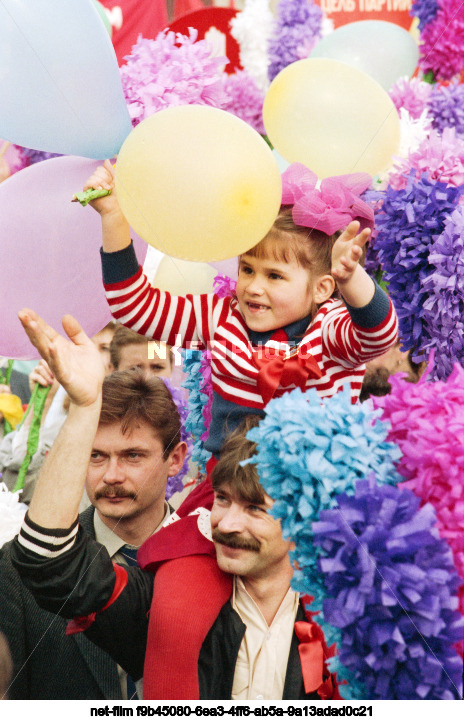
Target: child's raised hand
point(347, 251)
point(103, 179)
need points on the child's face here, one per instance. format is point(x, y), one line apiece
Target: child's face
point(271, 294)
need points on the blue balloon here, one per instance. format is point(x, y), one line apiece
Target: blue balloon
point(60, 87)
point(381, 49)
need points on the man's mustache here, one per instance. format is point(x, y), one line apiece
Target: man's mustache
point(234, 540)
point(116, 492)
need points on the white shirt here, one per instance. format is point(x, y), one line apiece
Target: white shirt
point(263, 655)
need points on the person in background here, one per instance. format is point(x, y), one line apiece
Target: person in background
point(128, 349)
point(135, 448)
point(378, 371)
point(14, 445)
point(251, 648)
point(304, 314)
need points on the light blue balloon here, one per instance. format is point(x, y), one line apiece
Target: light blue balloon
point(281, 162)
point(60, 87)
point(383, 50)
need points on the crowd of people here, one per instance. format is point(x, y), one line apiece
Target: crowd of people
point(116, 588)
point(305, 314)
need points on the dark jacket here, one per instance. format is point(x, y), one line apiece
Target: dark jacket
point(122, 628)
point(218, 656)
point(47, 663)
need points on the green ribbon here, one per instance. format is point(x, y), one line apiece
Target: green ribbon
point(38, 398)
point(87, 195)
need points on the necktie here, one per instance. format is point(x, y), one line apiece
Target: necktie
point(130, 557)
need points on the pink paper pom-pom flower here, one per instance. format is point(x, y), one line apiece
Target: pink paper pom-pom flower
point(169, 71)
point(245, 100)
point(441, 156)
point(442, 41)
point(427, 423)
point(411, 94)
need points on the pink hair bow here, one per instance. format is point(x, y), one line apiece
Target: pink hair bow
point(330, 208)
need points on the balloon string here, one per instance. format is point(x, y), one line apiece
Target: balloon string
point(38, 398)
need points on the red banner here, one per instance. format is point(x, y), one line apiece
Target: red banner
point(343, 12)
point(131, 18)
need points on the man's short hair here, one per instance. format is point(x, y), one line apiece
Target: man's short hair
point(125, 336)
point(129, 398)
point(243, 480)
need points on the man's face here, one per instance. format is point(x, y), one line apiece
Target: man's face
point(102, 340)
point(127, 473)
point(135, 355)
point(248, 540)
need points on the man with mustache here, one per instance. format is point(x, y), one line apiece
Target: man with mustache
point(135, 448)
point(262, 645)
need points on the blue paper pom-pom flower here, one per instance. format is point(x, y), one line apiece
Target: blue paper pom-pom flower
point(197, 400)
point(309, 451)
point(392, 592)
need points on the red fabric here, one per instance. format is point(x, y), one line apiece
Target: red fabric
point(188, 594)
point(181, 538)
point(283, 369)
point(139, 17)
point(328, 689)
point(82, 623)
point(311, 654)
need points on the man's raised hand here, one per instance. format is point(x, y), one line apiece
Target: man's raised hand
point(75, 363)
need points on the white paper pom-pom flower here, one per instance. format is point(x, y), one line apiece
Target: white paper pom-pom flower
point(252, 29)
point(11, 514)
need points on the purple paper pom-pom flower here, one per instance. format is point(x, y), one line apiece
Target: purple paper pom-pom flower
point(409, 223)
point(245, 100)
point(444, 306)
point(175, 483)
point(169, 71)
point(309, 451)
point(391, 590)
point(297, 28)
point(446, 107)
point(425, 11)
point(36, 156)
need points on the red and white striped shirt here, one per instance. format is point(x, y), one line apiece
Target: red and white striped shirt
point(339, 346)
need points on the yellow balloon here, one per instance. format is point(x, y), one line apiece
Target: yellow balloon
point(198, 183)
point(331, 117)
point(180, 277)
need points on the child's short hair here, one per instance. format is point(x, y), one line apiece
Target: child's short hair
point(286, 241)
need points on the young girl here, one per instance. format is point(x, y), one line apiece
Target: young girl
point(285, 328)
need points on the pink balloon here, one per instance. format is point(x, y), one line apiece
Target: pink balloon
point(227, 267)
point(49, 252)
